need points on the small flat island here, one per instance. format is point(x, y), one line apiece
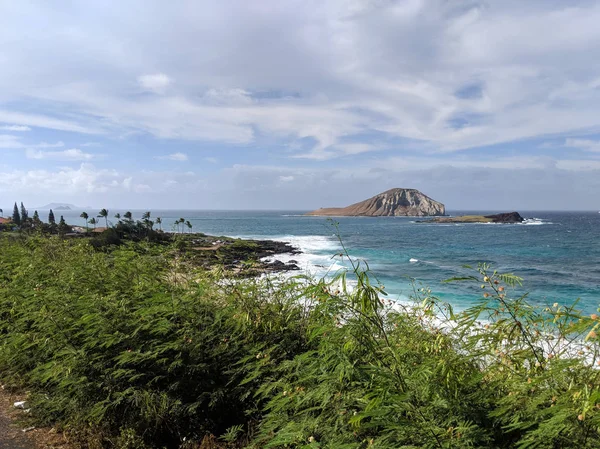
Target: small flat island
point(508, 217)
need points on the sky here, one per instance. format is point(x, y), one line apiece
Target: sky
point(295, 105)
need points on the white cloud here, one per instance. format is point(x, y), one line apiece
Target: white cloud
point(453, 75)
point(526, 185)
point(44, 121)
point(142, 188)
point(333, 151)
point(179, 157)
point(89, 184)
point(15, 142)
point(73, 154)
point(9, 141)
point(126, 183)
point(584, 144)
point(59, 144)
point(17, 128)
point(157, 82)
point(85, 179)
point(212, 160)
point(230, 97)
point(579, 165)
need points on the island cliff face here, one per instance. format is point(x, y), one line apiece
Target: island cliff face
point(392, 203)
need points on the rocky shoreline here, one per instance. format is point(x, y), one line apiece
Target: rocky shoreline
point(241, 256)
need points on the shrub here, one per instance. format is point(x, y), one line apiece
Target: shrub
point(382, 376)
point(104, 341)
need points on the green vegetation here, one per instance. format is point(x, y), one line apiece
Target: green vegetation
point(16, 217)
point(465, 219)
point(135, 346)
point(141, 228)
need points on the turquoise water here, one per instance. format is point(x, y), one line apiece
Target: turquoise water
point(557, 253)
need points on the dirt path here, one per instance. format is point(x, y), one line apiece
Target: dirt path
point(12, 435)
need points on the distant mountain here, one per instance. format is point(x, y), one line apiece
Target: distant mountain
point(392, 203)
point(58, 206)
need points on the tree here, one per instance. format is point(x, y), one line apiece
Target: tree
point(118, 217)
point(189, 225)
point(158, 222)
point(104, 214)
point(51, 218)
point(85, 216)
point(24, 214)
point(16, 218)
point(1, 213)
point(62, 226)
point(127, 216)
point(93, 222)
point(37, 223)
point(146, 219)
point(181, 221)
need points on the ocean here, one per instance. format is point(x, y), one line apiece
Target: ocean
point(556, 253)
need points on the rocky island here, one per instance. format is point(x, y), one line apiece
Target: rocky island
point(58, 206)
point(391, 203)
point(507, 217)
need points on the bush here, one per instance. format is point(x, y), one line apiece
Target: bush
point(104, 341)
point(106, 238)
point(387, 377)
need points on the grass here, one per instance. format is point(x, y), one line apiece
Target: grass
point(465, 219)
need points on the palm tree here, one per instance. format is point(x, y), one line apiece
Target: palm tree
point(181, 221)
point(1, 213)
point(85, 216)
point(93, 222)
point(127, 216)
point(159, 222)
point(104, 214)
point(118, 217)
point(189, 225)
point(146, 220)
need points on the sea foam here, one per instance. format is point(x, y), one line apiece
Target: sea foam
point(319, 257)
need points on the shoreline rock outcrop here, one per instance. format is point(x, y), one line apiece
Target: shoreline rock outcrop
point(391, 203)
point(507, 217)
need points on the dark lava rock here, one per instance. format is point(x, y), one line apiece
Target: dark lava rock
point(508, 217)
point(270, 247)
point(234, 253)
point(278, 265)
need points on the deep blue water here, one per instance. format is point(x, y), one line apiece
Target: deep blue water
point(558, 254)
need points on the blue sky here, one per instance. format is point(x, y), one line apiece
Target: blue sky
point(300, 104)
